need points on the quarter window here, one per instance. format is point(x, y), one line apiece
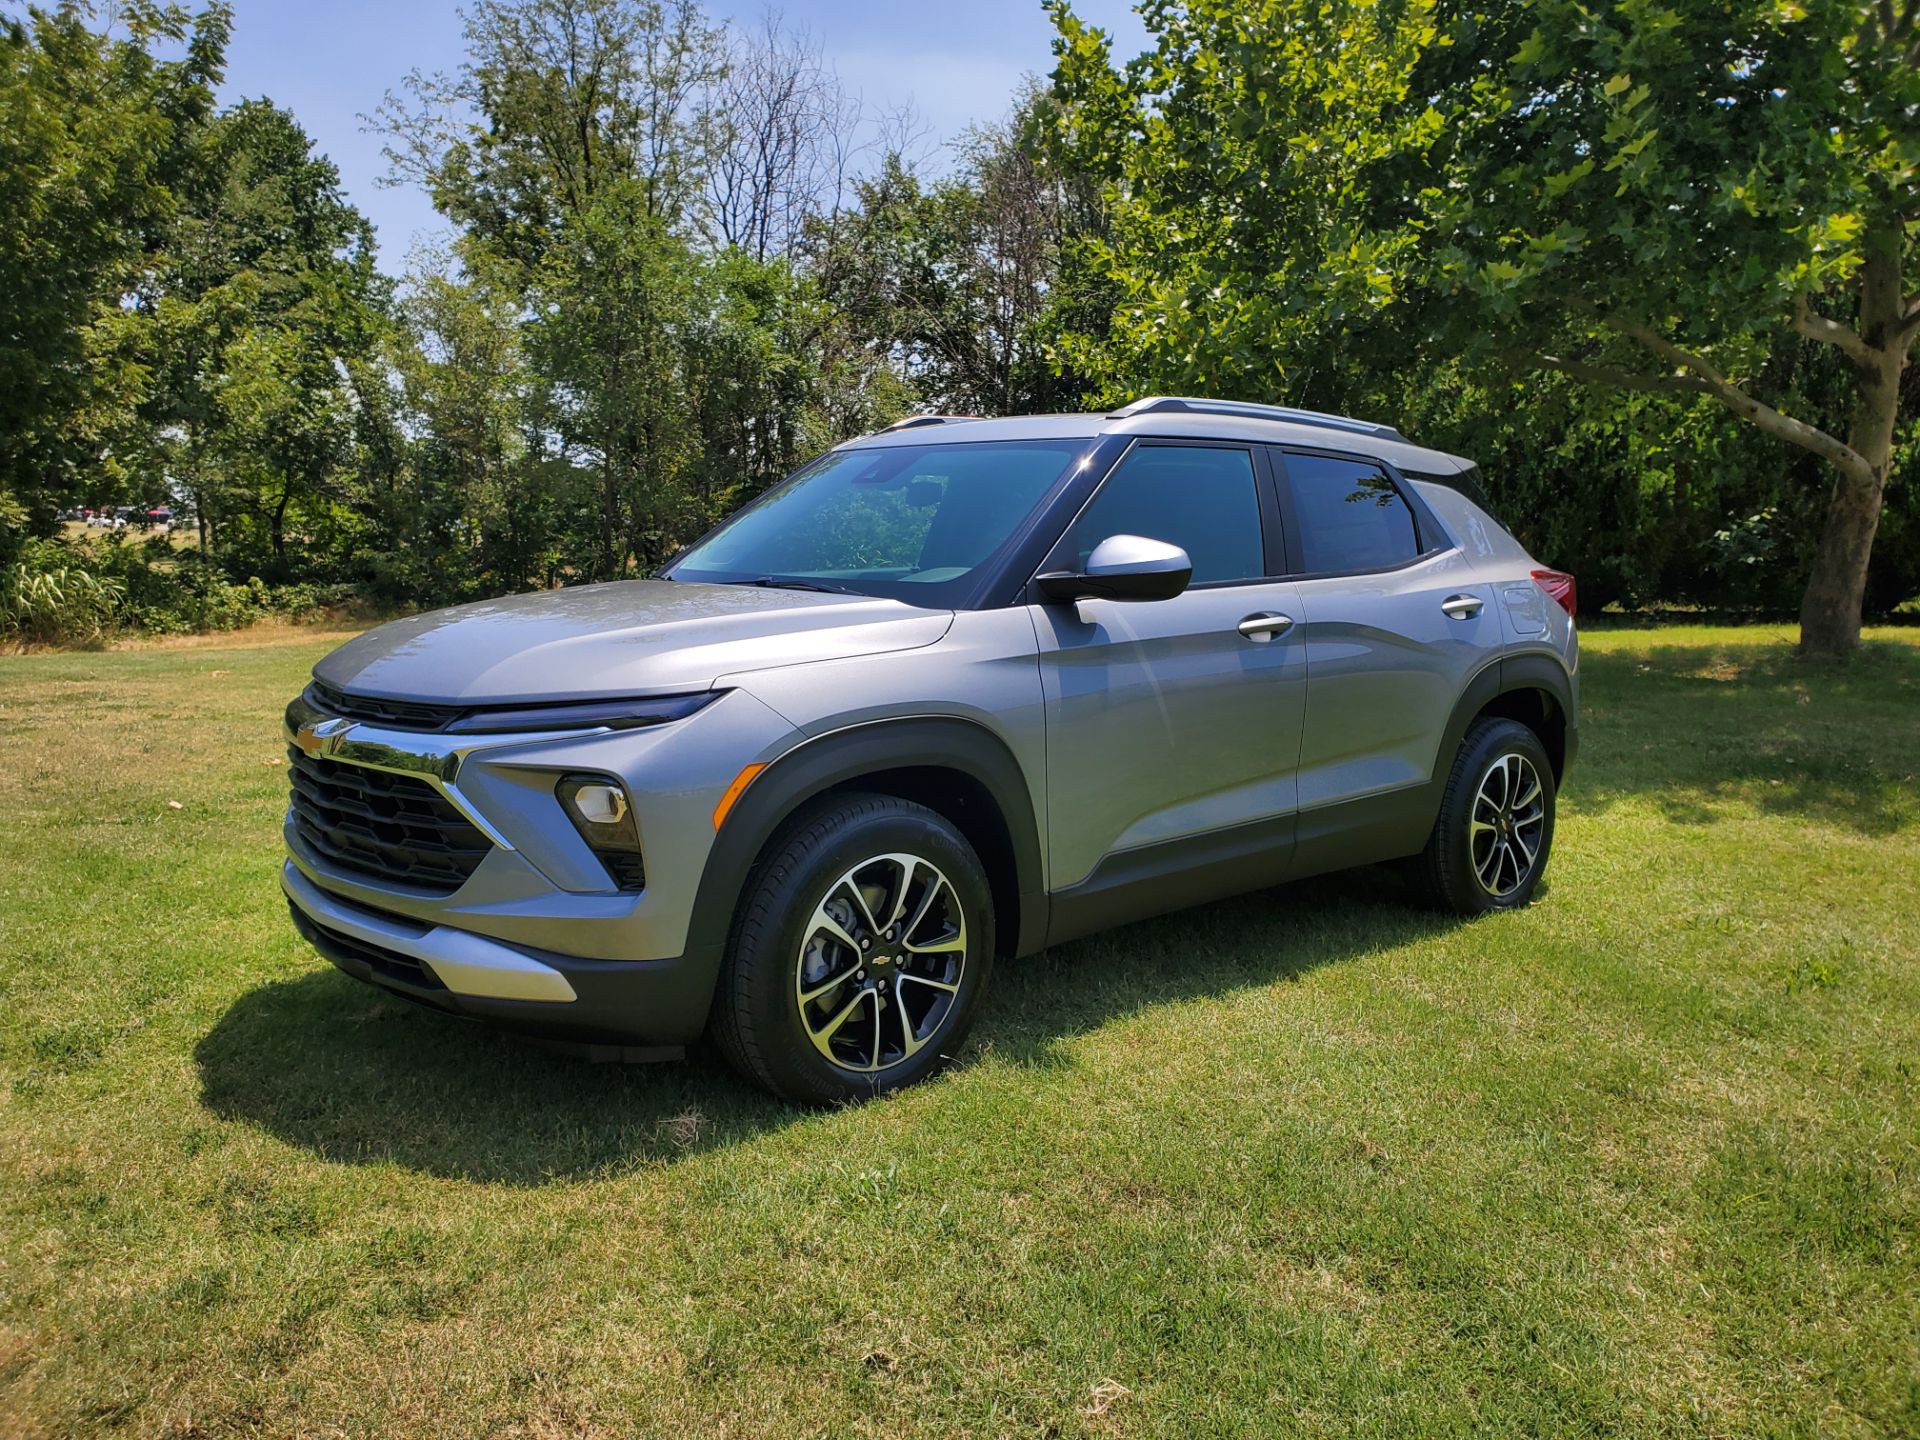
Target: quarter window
point(1202, 499)
point(1349, 515)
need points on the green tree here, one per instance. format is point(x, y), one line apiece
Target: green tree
point(1646, 196)
point(265, 262)
point(96, 135)
point(283, 436)
point(575, 165)
point(558, 101)
point(611, 301)
point(462, 501)
point(959, 277)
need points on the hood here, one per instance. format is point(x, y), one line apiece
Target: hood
point(630, 637)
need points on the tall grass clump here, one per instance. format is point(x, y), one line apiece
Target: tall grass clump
point(65, 605)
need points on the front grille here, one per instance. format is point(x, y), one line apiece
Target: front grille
point(387, 827)
point(399, 714)
point(351, 950)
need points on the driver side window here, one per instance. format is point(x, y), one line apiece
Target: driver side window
point(1200, 498)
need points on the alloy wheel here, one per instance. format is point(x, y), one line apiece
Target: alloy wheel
point(1507, 824)
point(881, 962)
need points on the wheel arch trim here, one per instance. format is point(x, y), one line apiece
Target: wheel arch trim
point(1504, 675)
point(836, 759)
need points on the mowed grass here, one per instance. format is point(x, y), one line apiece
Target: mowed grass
point(1643, 1159)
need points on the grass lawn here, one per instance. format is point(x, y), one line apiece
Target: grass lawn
point(1643, 1159)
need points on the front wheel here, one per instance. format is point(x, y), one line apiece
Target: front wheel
point(860, 952)
point(1490, 843)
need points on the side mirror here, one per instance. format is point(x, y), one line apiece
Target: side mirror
point(1123, 567)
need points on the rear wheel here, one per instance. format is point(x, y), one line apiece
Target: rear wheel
point(860, 952)
point(1490, 844)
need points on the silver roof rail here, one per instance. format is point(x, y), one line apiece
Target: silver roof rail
point(1199, 405)
point(914, 422)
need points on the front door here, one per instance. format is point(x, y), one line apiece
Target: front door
point(1173, 726)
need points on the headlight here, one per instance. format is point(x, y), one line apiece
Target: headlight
point(600, 811)
point(586, 715)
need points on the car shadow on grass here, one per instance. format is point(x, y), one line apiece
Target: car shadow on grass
point(356, 1075)
point(338, 1068)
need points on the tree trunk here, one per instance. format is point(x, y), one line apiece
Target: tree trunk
point(1830, 610)
point(1837, 585)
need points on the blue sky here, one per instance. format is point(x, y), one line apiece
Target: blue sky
point(331, 61)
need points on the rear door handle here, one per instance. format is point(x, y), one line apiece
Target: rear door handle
point(1262, 628)
point(1462, 607)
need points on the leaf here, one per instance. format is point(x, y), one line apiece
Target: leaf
point(1617, 84)
point(1558, 185)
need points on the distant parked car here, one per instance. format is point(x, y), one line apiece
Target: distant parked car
point(958, 690)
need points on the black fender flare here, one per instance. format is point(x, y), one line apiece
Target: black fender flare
point(1530, 671)
point(1538, 671)
point(841, 756)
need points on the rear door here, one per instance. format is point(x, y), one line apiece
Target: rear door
point(1393, 622)
point(1166, 722)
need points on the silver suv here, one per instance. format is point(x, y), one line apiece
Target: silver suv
point(955, 691)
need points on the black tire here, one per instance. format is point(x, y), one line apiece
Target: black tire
point(759, 1020)
point(1453, 870)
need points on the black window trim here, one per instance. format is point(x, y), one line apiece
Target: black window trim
point(1429, 535)
point(1274, 531)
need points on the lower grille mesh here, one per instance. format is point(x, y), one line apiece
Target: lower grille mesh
point(388, 965)
point(386, 827)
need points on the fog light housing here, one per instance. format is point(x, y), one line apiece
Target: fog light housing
point(600, 811)
point(601, 805)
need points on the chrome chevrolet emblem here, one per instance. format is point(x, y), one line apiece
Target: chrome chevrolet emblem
point(312, 739)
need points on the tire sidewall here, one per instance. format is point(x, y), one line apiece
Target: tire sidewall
point(795, 1066)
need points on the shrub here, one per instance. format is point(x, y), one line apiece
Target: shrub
point(55, 595)
point(63, 606)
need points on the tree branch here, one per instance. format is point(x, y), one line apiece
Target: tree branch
point(1621, 379)
point(1828, 332)
point(1783, 427)
point(1909, 325)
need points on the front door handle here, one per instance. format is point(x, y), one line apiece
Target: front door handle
point(1262, 628)
point(1462, 607)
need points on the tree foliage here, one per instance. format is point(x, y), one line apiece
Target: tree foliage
point(96, 133)
point(683, 259)
point(1652, 195)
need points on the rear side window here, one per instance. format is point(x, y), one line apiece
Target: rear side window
point(1349, 516)
point(1203, 500)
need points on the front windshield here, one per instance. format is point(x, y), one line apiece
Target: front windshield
point(914, 522)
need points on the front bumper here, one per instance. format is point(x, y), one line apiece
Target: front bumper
point(644, 1009)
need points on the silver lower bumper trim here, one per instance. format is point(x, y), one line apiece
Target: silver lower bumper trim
point(467, 964)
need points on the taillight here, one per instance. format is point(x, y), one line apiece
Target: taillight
point(1561, 587)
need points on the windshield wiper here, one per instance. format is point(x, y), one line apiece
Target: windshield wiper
point(787, 582)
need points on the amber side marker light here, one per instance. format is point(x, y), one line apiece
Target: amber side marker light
point(734, 792)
